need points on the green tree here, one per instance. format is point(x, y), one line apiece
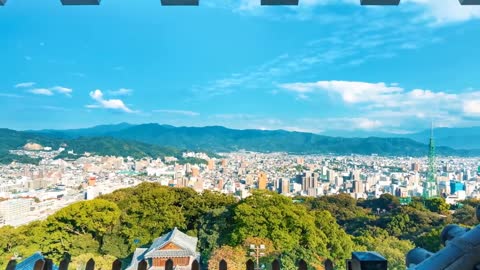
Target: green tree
point(385, 202)
point(78, 227)
point(101, 262)
point(339, 244)
point(233, 256)
point(294, 232)
point(465, 216)
point(214, 231)
point(115, 245)
point(393, 249)
point(437, 205)
point(430, 240)
point(148, 211)
point(96, 217)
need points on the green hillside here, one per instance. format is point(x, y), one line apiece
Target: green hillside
point(103, 146)
point(107, 146)
point(221, 139)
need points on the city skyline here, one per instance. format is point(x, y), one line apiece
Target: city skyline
point(323, 65)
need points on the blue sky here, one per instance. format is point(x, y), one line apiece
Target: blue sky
point(324, 65)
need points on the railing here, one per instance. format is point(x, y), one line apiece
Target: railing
point(262, 2)
point(47, 264)
point(461, 251)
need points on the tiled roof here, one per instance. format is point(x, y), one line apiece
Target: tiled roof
point(137, 257)
point(29, 263)
point(170, 253)
point(188, 245)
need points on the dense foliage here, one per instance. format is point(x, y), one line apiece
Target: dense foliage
point(314, 229)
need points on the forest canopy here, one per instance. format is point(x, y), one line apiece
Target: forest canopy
point(313, 229)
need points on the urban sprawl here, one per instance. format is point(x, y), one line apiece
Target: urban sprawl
point(32, 192)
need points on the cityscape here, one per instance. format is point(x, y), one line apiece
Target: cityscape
point(239, 135)
point(33, 192)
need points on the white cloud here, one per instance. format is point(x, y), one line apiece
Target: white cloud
point(342, 48)
point(343, 123)
point(350, 91)
point(121, 92)
point(47, 91)
point(114, 104)
point(430, 12)
point(24, 85)
point(180, 112)
point(445, 11)
point(363, 123)
point(472, 107)
point(62, 90)
point(41, 91)
point(390, 107)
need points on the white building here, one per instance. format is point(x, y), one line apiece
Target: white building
point(14, 211)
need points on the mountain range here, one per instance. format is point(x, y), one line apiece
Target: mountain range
point(221, 139)
point(104, 146)
point(459, 138)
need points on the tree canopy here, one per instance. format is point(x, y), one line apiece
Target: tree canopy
point(313, 229)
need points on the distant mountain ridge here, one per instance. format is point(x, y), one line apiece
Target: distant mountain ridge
point(100, 130)
point(221, 139)
point(103, 146)
point(459, 138)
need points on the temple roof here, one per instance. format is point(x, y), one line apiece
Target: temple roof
point(188, 245)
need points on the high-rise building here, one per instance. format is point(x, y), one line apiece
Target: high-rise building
point(249, 179)
point(355, 175)
point(211, 164)
point(338, 181)
point(198, 185)
point(195, 171)
point(14, 211)
point(358, 186)
point(415, 167)
point(456, 186)
point(262, 180)
point(182, 182)
point(220, 184)
point(300, 161)
point(309, 180)
point(284, 186)
point(331, 176)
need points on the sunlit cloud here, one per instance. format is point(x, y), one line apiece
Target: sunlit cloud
point(24, 85)
point(62, 90)
point(41, 91)
point(114, 104)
